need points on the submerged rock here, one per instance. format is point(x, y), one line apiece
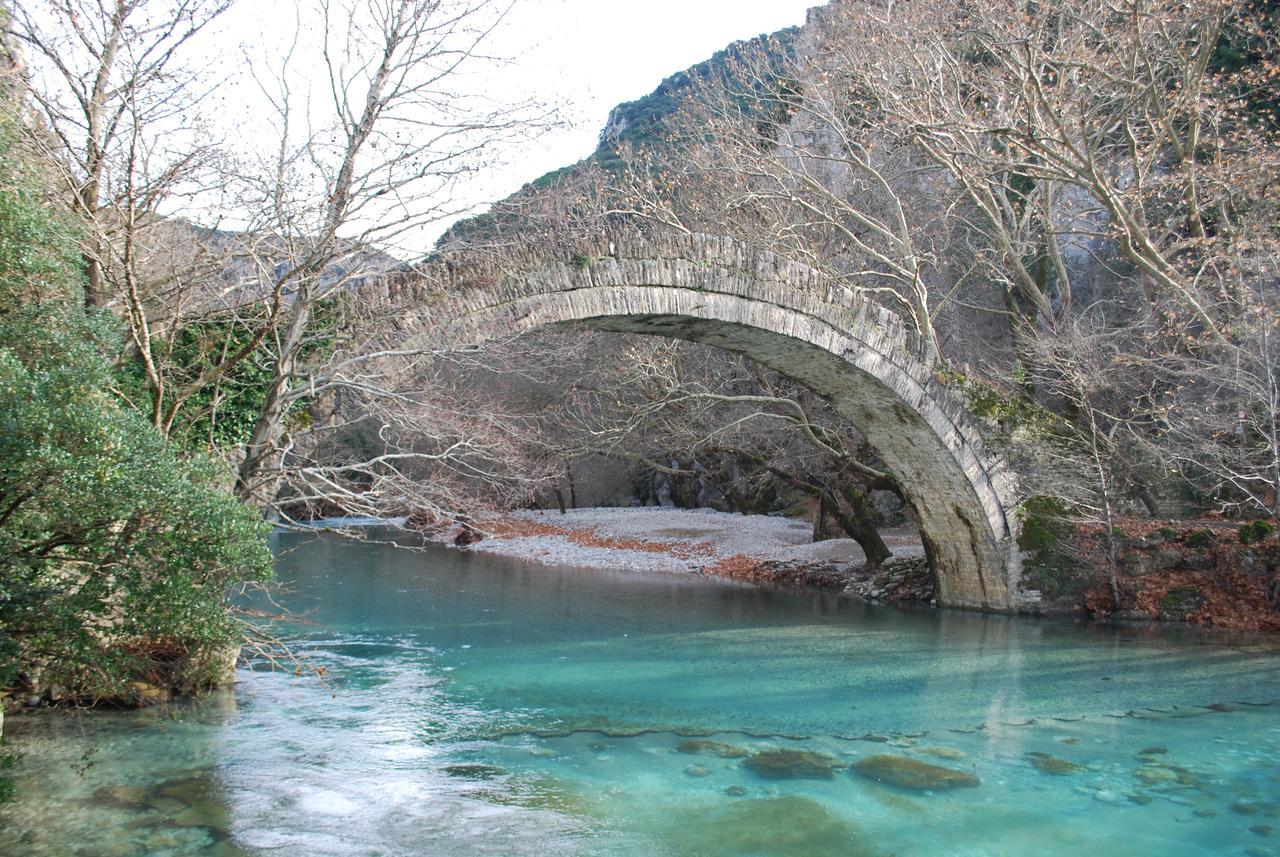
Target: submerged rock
point(123, 797)
point(1047, 764)
point(944, 752)
point(735, 791)
point(1154, 775)
point(199, 802)
point(697, 771)
point(792, 765)
point(793, 826)
point(913, 774)
point(143, 694)
point(715, 748)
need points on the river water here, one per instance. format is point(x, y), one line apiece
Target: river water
point(475, 705)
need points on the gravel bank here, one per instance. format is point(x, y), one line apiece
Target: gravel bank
point(671, 540)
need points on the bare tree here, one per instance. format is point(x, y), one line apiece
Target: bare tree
point(398, 134)
point(1221, 421)
point(116, 99)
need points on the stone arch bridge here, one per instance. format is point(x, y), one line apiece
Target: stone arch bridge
point(845, 347)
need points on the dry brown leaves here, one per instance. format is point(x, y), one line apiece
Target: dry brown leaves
point(520, 528)
point(1230, 598)
point(740, 567)
point(591, 537)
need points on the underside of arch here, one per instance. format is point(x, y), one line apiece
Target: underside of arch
point(959, 491)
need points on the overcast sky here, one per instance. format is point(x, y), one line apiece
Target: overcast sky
point(585, 55)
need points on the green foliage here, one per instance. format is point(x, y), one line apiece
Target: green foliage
point(580, 261)
point(1180, 601)
point(8, 760)
point(218, 415)
point(38, 255)
point(102, 524)
point(1256, 532)
point(1044, 539)
point(221, 414)
point(1046, 525)
point(1199, 539)
point(110, 542)
point(1013, 411)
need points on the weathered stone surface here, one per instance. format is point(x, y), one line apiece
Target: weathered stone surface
point(913, 774)
point(145, 694)
point(1141, 563)
point(839, 342)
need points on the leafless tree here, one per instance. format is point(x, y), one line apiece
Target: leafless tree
point(397, 135)
point(116, 103)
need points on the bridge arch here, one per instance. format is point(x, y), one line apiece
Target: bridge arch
point(845, 347)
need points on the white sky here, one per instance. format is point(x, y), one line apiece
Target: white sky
point(596, 54)
point(587, 55)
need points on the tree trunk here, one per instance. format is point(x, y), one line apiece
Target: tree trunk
point(820, 520)
point(259, 477)
point(861, 527)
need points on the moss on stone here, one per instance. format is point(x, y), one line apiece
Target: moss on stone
point(1199, 539)
point(1256, 532)
point(1180, 601)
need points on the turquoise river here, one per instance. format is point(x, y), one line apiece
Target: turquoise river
point(474, 705)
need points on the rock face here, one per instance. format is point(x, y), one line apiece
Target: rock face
point(840, 343)
point(792, 765)
point(906, 773)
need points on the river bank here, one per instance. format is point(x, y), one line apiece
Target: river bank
point(761, 549)
point(1199, 572)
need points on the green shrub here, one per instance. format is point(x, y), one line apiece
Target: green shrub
point(1049, 567)
point(1199, 539)
point(110, 541)
point(1046, 525)
point(1181, 601)
point(1256, 532)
